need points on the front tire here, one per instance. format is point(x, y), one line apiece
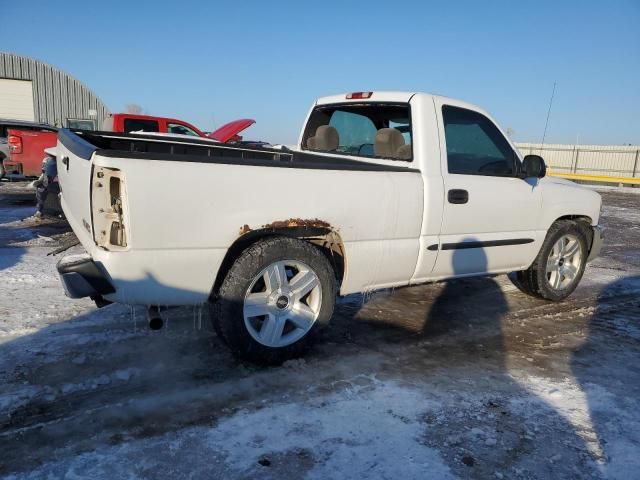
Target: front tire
point(276, 296)
point(560, 264)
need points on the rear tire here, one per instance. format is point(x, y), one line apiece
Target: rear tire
point(276, 296)
point(559, 266)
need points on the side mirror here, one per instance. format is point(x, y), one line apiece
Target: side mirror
point(533, 166)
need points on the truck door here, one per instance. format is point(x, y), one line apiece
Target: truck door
point(489, 214)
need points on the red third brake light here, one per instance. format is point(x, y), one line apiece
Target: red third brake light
point(357, 95)
point(15, 143)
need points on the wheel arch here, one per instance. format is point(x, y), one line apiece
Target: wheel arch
point(581, 218)
point(320, 235)
point(583, 221)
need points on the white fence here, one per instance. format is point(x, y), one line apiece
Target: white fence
point(614, 161)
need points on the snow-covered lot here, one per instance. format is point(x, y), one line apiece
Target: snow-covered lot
point(466, 379)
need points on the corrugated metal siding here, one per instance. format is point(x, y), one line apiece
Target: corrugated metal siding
point(57, 96)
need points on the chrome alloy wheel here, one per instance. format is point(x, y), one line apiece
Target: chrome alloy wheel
point(282, 303)
point(564, 262)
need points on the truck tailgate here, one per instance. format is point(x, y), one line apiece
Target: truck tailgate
point(27, 153)
point(74, 160)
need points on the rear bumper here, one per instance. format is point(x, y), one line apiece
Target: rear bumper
point(596, 244)
point(82, 277)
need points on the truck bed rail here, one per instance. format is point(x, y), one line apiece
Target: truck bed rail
point(150, 147)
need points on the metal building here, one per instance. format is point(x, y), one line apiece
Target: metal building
point(34, 91)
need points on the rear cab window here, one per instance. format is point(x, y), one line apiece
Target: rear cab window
point(365, 130)
point(140, 125)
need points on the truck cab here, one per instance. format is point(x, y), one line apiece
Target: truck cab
point(476, 194)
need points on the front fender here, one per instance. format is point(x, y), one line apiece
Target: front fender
point(565, 199)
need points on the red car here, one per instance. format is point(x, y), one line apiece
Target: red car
point(26, 147)
point(127, 123)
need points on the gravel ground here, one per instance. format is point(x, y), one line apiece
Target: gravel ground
point(464, 379)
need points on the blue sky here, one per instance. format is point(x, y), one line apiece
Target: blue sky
point(208, 63)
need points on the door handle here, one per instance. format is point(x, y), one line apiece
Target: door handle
point(458, 196)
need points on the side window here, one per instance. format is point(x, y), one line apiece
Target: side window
point(364, 130)
point(139, 125)
point(181, 129)
point(475, 146)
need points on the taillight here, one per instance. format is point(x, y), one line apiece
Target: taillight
point(108, 201)
point(357, 95)
point(15, 143)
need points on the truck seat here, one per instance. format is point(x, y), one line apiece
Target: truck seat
point(404, 152)
point(326, 139)
point(389, 143)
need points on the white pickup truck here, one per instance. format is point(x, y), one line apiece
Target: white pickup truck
point(385, 189)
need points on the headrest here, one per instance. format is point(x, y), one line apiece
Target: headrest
point(325, 139)
point(404, 152)
point(387, 143)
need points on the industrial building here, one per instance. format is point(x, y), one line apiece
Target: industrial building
point(35, 91)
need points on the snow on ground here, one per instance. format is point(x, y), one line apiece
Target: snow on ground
point(351, 439)
point(467, 379)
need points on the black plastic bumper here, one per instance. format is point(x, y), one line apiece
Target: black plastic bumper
point(81, 277)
